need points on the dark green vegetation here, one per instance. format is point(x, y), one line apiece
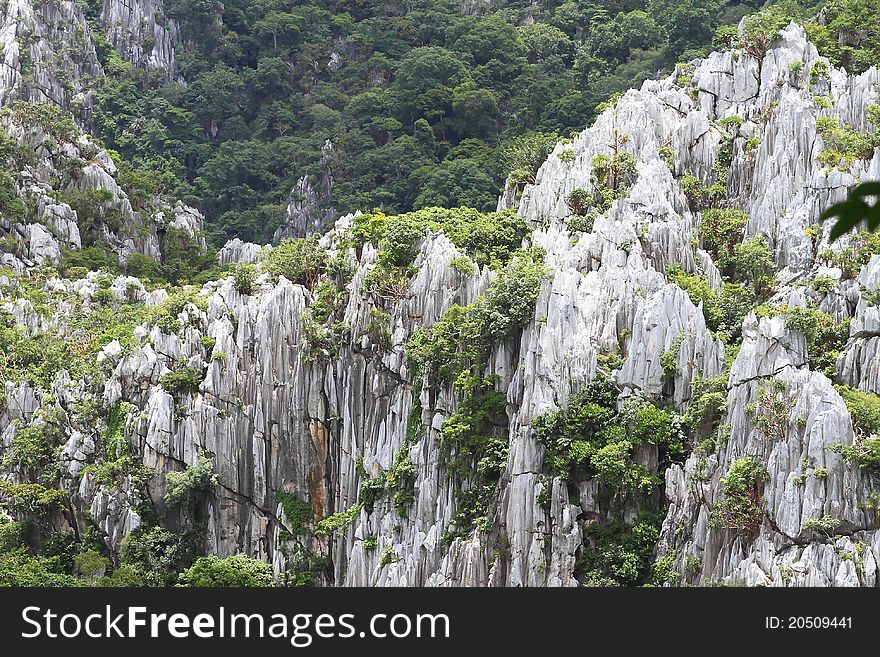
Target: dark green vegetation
point(741, 506)
point(591, 439)
point(865, 410)
point(424, 106)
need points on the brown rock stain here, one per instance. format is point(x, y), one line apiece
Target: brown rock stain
point(317, 470)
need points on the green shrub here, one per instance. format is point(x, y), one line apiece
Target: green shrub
point(33, 500)
point(721, 231)
point(90, 258)
point(19, 568)
point(823, 284)
point(842, 145)
point(579, 201)
point(463, 336)
point(669, 358)
point(182, 381)
point(487, 238)
point(589, 438)
point(468, 433)
point(522, 156)
point(864, 452)
point(33, 447)
point(239, 570)
point(302, 261)
point(699, 196)
point(299, 513)
point(621, 554)
point(708, 407)
point(142, 266)
point(753, 261)
point(741, 505)
point(389, 556)
point(825, 336)
point(463, 266)
point(198, 480)
point(472, 513)
point(244, 276)
point(824, 525)
point(166, 315)
point(339, 521)
point(864, 407)
point(153, 556)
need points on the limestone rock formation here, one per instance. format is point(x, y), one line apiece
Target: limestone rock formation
point(275, 416)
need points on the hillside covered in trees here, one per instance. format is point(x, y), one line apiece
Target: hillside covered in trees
point(403, 105)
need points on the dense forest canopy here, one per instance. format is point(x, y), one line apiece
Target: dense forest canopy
point(424, 103)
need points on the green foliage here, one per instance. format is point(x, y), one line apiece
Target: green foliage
point(724, 311)
point(182, 381)
point(849, 35)
point(721, 231)
point(825, 336)
point(579, 201)
point(865, 453)
point(864, 407)
point(472, 513)
point(302, 261)
point(192, 484)
point(707, 409)
point(487, 238)
point(45, 116)
point(771, 413)
point(522, 156)
point(611, 177)
point(33, 448)
point(245, 277)
point(19, 568)
point(463, 266)
point(621, 554)
point(742, 490)
point(468, 433)
point(338, 521)
point(430, 105)
point(762, 29)
point(299, 514)
point(842, 145)
point(589, 438)
point(238, 570)
point(669, 358)
point(184, 260)
point(824, 525)
point(855, 210)
point(823, 284)
point(154, 556)
point(700, 196)
point(461, 339)
point(389, 556)
point(90, 258)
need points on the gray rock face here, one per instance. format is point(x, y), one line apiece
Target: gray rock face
point(141, 33)
point(274, 417)
point(309, 210)
point(47, 55)
point(235, 251)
